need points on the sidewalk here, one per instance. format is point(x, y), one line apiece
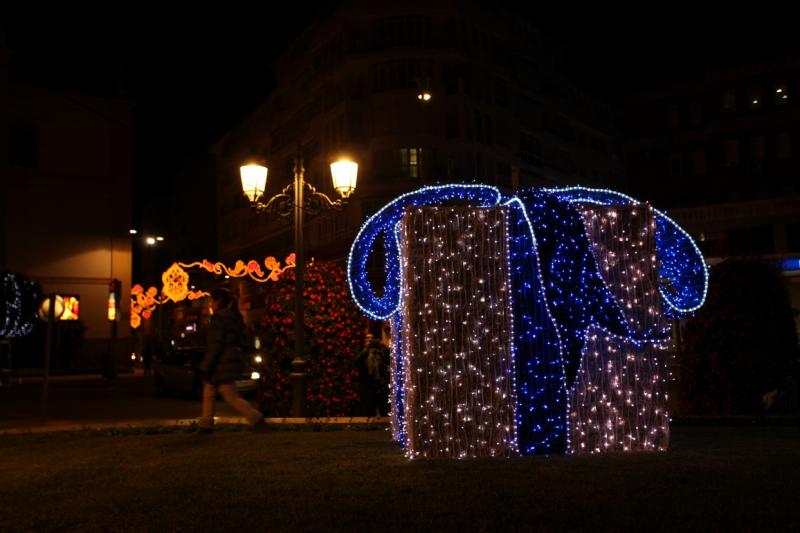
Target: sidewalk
point(5, 381)
point(55, 426)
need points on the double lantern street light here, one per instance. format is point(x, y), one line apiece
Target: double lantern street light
point(298, 197)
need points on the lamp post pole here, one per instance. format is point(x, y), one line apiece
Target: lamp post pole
point(302, 199)
point(298, 375)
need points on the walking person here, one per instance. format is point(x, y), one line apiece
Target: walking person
point(223, 362)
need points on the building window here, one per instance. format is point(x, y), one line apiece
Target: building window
point(729, 101)
point(487, 129)
point(730, 152)
point(457, 78)
point(675, 165)
point(501, 92)
point(21, 147)
point(737, 242)
point(450, 166)
point(483, 128)
point(762, 240)
point(781, 93)
point(480, 169)
point(411, 162)
point(565, 162)
point(355, 126)
point(713, 244)
point(747, 241)
point(478, 127)
point(530, 149)
point(397, 75)
point(673, 117)
point(451, 124)
point(757, 152)
point(696, 113)
point(356, 88)
point(401, 31)
point(504, 174)
point(754, 97)
point(699, 162)
point(783, 145)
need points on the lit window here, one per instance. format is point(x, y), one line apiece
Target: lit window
point(781, 93)
point(699, 162)
point(411, 161)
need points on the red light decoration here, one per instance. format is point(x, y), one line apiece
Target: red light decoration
point(252, 268)
point(176, 283)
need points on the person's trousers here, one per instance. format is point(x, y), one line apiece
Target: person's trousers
point(232, 398)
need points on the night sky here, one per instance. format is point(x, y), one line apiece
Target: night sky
point(194, 75)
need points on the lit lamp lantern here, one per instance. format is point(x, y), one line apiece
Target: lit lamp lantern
point(344, 174)
point(44, 308)
point(254, 180)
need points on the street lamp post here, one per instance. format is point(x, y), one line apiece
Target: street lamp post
point(297, 198)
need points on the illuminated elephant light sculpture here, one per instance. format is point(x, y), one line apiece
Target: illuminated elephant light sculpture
point(535, 323)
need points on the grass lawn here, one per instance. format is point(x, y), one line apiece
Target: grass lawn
point(717, 478)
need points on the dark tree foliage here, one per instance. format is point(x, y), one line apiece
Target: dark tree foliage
point(741, 344)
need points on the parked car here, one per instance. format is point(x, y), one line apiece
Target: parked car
point(176, 372)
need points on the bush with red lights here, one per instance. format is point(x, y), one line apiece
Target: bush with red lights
point(334, 332)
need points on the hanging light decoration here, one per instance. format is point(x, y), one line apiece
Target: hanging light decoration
point(17, 306)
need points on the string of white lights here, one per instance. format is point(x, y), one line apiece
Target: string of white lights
point(457, 335)
point(624, 248)
point(383, 223)
point(619, 399)
point(396, 396)
point(619, 396)
point(16, 322)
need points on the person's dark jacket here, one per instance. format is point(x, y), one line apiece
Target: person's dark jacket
point(223, 361)
point(364, 376)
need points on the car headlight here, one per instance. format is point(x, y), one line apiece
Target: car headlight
point(257, 359)
point(255, 375)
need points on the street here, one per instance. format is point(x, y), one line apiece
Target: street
point(84, 399)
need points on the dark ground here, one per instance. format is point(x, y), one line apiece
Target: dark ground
point(714, 478)
point(85, 399)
